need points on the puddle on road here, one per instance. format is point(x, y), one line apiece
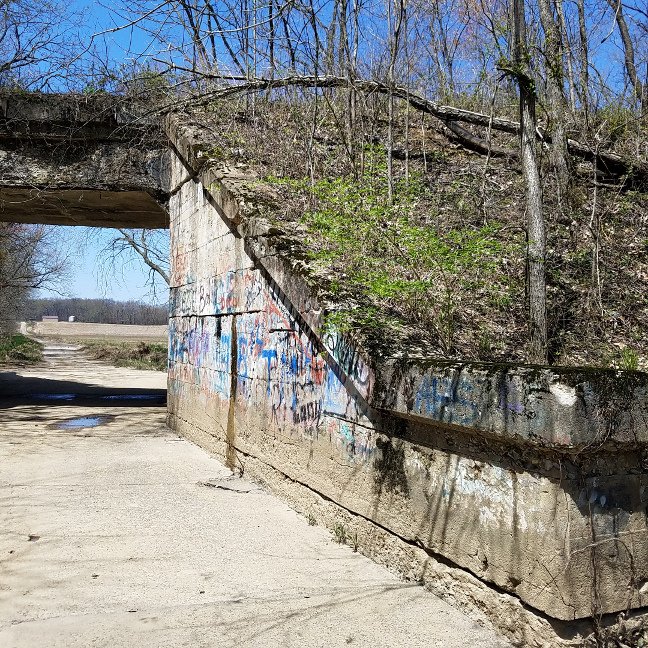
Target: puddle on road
point(65, 397)
point(135, 397)
point(83, 422)
point(113, 398)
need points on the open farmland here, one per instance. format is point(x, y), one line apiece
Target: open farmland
point(93, 331)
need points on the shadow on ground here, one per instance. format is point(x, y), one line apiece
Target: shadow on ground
point(29, 390)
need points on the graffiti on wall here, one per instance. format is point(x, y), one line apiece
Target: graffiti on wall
point(279, 370)
point(351, 363)
point(232, 292)
point(199, 353)
point(221, 306)
point(356, 443)
point(468, 400)
point(450, 399)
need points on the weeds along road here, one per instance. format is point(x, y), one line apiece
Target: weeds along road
point(115, 532)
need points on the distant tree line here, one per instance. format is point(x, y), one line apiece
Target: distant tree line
point(105, 311)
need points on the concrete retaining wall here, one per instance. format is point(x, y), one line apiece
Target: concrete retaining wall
point(529, 482)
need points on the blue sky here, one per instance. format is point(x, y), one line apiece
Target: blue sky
point(91, 273)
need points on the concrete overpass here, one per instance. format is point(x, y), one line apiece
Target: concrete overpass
point(77, 160)
point(519, 490)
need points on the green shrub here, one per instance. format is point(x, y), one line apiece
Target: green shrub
point(19, 348)
point(391, 258)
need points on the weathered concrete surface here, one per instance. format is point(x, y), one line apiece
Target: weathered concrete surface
point(127, 535)
point(568, 408)
point(68, 117)
point(85, 206)
point(75, 160)
point(528, 482)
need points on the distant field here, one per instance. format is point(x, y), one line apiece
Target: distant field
point(121, 345)
point(87, 331)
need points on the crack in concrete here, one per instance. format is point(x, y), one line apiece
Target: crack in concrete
point(228, 488)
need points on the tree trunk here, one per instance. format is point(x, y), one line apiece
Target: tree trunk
point(556, 106)
point(535, 220)
point(395, 24)
point(584, 61)
point(569, 55)
point(271, 38)
point(628, 48)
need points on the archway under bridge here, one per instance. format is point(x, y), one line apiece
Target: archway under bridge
point(70, 160)
point(89, 161)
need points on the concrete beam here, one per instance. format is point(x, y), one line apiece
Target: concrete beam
point(86, 207)
point(75, 160)
point(70, 117)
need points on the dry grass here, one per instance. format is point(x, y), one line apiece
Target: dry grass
point(128, 353)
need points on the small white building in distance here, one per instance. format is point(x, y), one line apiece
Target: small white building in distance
point(50, 318)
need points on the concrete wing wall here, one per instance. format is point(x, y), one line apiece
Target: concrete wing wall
point(555, 525)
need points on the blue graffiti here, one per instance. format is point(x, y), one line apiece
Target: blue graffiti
point(447, 399)
point(269, 355)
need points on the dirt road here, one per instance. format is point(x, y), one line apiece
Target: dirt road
point(114, 532)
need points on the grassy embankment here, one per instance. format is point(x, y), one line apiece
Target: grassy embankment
point(19, 349)
point(434, 263)
point(128, 353)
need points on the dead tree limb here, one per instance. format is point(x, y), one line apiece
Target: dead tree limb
point(470, 141)
point(635, 174)
point(609, 163)
point(141, 247)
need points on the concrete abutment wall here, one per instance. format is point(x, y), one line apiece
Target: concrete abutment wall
point(519, 491)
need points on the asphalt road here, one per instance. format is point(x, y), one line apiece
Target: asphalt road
point(115, 532)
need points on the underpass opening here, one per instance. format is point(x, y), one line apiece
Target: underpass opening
point(83, 161)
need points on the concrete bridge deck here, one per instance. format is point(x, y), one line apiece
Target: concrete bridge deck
point(124, 534)
point(75, 160)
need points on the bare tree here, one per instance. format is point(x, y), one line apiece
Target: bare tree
point(535, 219)
point(569, 56)
point(395, 19)
point(555, 101)
point(29, 259)
point(584, 61)
point(628, 48)
point(38, 48)
point(126, 248)
point(148, 246)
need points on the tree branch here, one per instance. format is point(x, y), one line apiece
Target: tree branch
point(611, 163)
point(142, 250)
